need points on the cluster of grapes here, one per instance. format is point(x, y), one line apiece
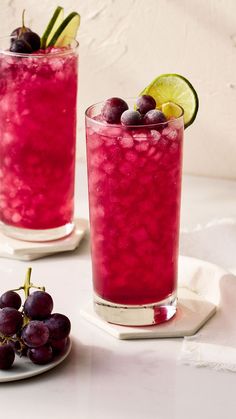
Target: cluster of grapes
point(116, 110)
point(32, 331)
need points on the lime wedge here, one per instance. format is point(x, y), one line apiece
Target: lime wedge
point(52, 27)
point(177, 89)
point(66, 31)
point(171, 110)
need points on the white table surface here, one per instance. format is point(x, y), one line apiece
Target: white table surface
point(107, 378)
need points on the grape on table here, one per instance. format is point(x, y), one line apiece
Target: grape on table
point(38, 305)
point(10, 299)
point(11, 321)
point(42, 336)
point(7, 356)
point(35, 334)
point(41, 355)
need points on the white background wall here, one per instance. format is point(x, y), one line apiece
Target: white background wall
point(124, 44)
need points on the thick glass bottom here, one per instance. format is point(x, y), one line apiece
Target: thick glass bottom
point(143, 315)
point(37, 235)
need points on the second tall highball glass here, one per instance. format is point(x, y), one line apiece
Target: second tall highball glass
point(134, 178)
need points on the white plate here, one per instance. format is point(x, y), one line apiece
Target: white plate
point(24, 368)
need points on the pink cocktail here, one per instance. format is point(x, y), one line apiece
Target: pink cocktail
point(134, 178)
point(37, 142)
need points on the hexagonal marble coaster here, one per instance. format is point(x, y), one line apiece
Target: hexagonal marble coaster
point(25, 250)
point(192, 313)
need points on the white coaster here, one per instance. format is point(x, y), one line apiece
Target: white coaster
point(24, 250)
point(192, 312)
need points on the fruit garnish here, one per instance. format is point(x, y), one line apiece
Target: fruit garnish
point(116, 111)
point(145, 103)
point(66, 31)
point(22, 29)
point(33, 40)
point(20, 46)
point(130, 117)
point(24, 40)
point(177, 89)
point(171, 110)
point(154, 116)
point(33, 330)
point(52, 27)
point(113, 109)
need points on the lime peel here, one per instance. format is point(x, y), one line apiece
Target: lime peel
point(52, 27)
point(66, 31)
point(176, 89)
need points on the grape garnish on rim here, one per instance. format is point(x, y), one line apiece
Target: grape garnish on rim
point(58, 33)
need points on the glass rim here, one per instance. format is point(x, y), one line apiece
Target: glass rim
point(104, 123)
point(66, 51)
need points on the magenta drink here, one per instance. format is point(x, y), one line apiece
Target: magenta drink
point(37, 142)
point(134, 175)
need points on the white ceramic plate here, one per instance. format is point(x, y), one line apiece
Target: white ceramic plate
point(24, 368)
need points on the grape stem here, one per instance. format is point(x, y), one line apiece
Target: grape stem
point(28, 285)
point(23, 22)
point(5, 339)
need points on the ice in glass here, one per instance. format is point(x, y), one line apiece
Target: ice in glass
point(37, 141)
point(134, 175)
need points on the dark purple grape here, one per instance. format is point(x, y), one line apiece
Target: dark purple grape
point(41, 355)
point(10, 299)
point(58, 345)
point(18, 32)
point(35, 334)
point(23, 40)
point(20, 46)
point(59, 326)
point(32, 39)
point(113, 109)
point(11, 321)
point(7, 356)
point(145, 103)
point(154, 117)
point(131, 118)
point(38, 305)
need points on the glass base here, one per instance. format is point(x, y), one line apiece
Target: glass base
point(37, 235)
point(143, 315)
